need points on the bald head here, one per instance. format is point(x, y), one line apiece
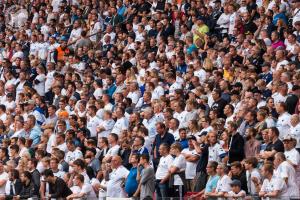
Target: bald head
point(280, 156)
point(116, 161)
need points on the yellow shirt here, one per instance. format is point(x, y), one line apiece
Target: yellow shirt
point(203, 29)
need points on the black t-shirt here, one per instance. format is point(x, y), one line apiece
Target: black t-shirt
point(219, 107)
point(59, 189)
point(250, 27)
point(237, 58)
point(291, 103)
point(277, 146)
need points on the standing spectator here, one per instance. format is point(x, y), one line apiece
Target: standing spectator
point(236, 145)
point(161, 137)
point(162, 175)
point(177, 171)
point(295, 130)
point(117, 178)
point(147, 178)
point(131, 184)
point(191, 158)
point(283, 122)
point(252, 145)
point(274, 146)
point(252, 174)
point(286, 171)
point(272, 186)
point(290, 152)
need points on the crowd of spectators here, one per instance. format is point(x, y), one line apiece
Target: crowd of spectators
point(150, 99)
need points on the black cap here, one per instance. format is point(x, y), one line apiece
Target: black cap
point(204, 133)
point(217, 1)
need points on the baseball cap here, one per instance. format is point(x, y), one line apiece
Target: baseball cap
point(63, 38)
point(288, 138)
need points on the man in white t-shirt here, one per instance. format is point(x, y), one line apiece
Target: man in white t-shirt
point(177, 167)
point(286, 171)
point(291, 154)
point(93, 121)
point(85, 190)
point(214, 149)
point(295, 129)
point(73, 153)
point(283, 122)
point(252, 175)
point(121, 123)
point(191, 158)
point(114, 147)
point(161, 175)
point(272, 186)
point(116, 178)
point(106, 125)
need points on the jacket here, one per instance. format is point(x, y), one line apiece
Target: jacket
point(29, 191)
point(236, 148)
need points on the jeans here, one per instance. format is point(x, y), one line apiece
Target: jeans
point(161, 190)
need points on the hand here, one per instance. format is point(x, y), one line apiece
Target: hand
point(194, 142)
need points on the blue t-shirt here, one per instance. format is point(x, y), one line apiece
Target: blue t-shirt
point(131, 184)
point(211, 183)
